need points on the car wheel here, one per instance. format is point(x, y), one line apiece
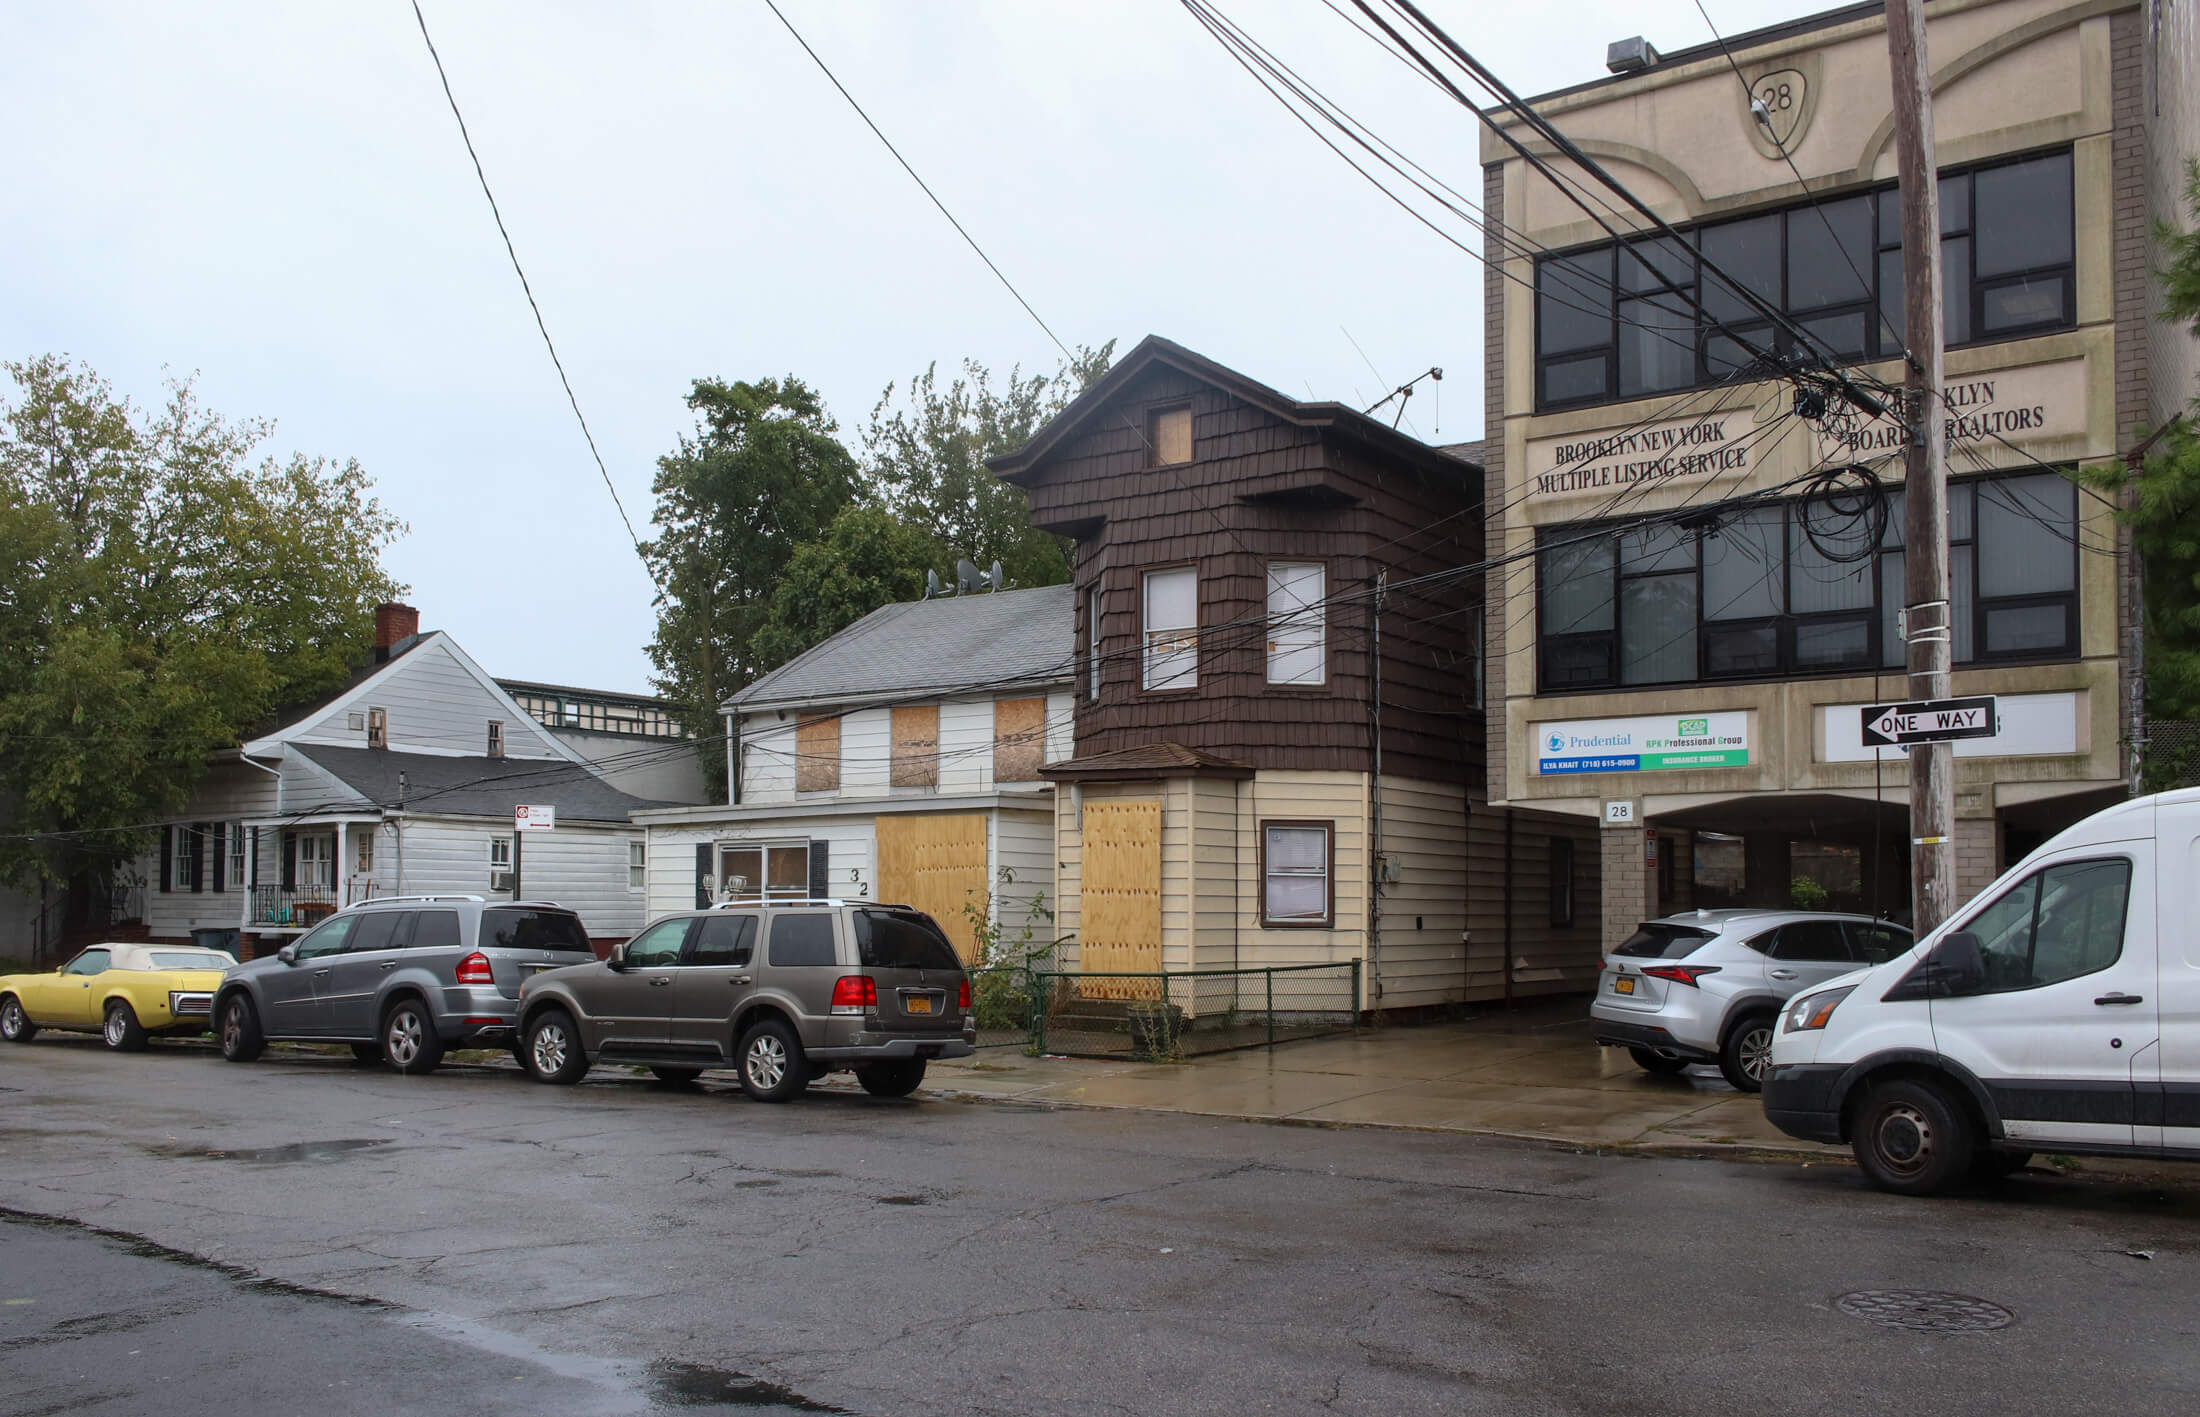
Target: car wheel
point(1657, 1063)
point(120, 1028)
point(409, 1041)
point(895, 1079)
point(1988, 1166)
point(1910, 1139)
point(678, 1077)
point(1746, 1056)
point(367, 1054)
point(15, 1025)
point(553, 1052)
point(772, 1066)
point(241, 1038)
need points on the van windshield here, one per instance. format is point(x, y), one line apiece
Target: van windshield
point(509, 929)
point(1657, 940)
point(902, 939)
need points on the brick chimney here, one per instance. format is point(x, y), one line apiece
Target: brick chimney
point(394, 623)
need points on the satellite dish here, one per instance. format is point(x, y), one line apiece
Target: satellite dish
point(931, 584)
point(997, 578)
point(967, 576)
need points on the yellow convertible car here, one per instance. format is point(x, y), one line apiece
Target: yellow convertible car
point(124, 993)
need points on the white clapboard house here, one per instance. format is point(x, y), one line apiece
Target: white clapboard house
point(403, 782)
point(897, 761)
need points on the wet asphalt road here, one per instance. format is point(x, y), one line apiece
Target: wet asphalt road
point(305, 1235)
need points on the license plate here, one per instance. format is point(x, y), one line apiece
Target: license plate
point(919, 1005)
point(1623, 986)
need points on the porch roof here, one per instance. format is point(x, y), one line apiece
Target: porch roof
point(1144, 763)
point(473, 787)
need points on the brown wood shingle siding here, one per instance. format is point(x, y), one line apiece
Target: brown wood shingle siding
point(1259, 490)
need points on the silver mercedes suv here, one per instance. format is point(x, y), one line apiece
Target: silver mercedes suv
point(782, 991)
point(399, 978)
point(1707, 986)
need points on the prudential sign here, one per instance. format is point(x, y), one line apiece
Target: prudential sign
point(1666, 743)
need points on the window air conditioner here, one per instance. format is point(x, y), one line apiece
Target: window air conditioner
point(500, 880)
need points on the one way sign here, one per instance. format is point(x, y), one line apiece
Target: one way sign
point(1934, 721)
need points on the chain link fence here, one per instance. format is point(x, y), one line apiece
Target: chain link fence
point(1156, 1017)
point(2173, 754)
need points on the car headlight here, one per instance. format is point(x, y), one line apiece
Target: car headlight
point(1813, 1010)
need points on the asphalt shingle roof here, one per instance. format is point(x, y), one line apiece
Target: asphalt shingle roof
point(918, 646)
point(475, 787)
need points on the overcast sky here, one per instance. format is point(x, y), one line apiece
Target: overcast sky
point(275, 197)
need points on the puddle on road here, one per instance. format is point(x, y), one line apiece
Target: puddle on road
point(672, 1384)
point(284, 1155)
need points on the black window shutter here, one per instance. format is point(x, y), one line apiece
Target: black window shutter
point(221, 856)
point(167, 859)
point(290, 862)
point(198, 856)
point(821, 870)
point(252, 872)
point(702, 875)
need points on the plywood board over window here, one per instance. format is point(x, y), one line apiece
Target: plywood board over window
point(1121, 896)
point(916, 761)
point(1019, 738)
point(817, 754)
point(937, 864)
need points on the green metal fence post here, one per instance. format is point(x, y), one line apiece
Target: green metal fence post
point(1034, 992)
point(1271, 1007)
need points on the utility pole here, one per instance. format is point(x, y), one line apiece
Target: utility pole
point(1932, 765)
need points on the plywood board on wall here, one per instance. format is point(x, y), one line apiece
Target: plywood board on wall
point(1121, 896)
point(817, 754)
point(936, 862)
point(916, 761)
point(1019, 738)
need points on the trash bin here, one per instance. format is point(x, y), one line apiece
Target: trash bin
point(223, 940)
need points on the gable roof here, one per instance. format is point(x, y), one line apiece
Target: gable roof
point(916, 647)
point(437, 784)
point(1018, 466)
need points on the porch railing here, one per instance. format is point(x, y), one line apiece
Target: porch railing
point(292, 907)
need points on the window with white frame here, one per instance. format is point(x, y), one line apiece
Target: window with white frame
point(364, 864)
point(1297, 622)
point(637, 865)
point(236, 854)
point(1171, 624)
point(767, 871)
point(378, 728)
point(1092, 645)
point(179, 864)
point(500, 853)
point(1295, 869)
point(317, 860)
point(496, 737)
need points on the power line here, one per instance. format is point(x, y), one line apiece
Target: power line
point(524, 286)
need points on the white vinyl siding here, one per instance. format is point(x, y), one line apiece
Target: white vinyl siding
point(1297, 622)
point(1170, 617)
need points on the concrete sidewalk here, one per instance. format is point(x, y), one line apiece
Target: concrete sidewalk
point(1532, 1073)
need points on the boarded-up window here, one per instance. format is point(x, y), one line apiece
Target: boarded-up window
point(1019, 738)
point(1121, 897)
point(1171, 434)
point(817, 754)
point(936, 864)
point(1297, 647)
point(916, 747)
point(1295, 861)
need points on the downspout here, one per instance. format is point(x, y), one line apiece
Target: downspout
point(1375, 797)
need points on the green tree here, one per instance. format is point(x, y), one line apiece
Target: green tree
point(867, 558)
point(926, 456)
point(762, 474)
point(2180, 269)
point(161, 593)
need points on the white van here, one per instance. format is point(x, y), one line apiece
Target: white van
point(2058, 1011)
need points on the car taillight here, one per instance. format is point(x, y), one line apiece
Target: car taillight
point(962, 996)
point(1681, 973)
point(855, 994)
point(474, 969)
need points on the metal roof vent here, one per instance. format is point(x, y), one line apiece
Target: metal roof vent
point(1630, 56)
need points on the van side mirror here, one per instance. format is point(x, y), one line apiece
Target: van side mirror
point(1954, 968)
point(288, 954)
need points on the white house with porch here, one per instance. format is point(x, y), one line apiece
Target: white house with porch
point(401, 783)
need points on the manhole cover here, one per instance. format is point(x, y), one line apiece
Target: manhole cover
point(1924, 1310)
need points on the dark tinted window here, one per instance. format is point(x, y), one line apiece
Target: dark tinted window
point(328, 939)
point(2022, 220)
point(723, 939)
point(1659, 941)
point(1817, 940)
point(2065, 921)
point(378, 930)
point(435, 930)
point(902, 939)
point(800, 941)
point(1878, 943)
point(520, 929)
point(1829, 257)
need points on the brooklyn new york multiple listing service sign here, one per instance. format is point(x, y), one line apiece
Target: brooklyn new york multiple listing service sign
point(1663, 743)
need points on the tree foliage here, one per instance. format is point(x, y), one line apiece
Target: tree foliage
point(762, 474)
point(868, 558)
point(925, 457)
point(161, 593)
point(2180, 269)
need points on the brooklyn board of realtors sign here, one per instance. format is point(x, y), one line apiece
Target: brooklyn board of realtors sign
point(1661, 743)
point(2012, 405)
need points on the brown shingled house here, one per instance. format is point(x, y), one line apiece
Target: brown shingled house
point(1252, 782)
